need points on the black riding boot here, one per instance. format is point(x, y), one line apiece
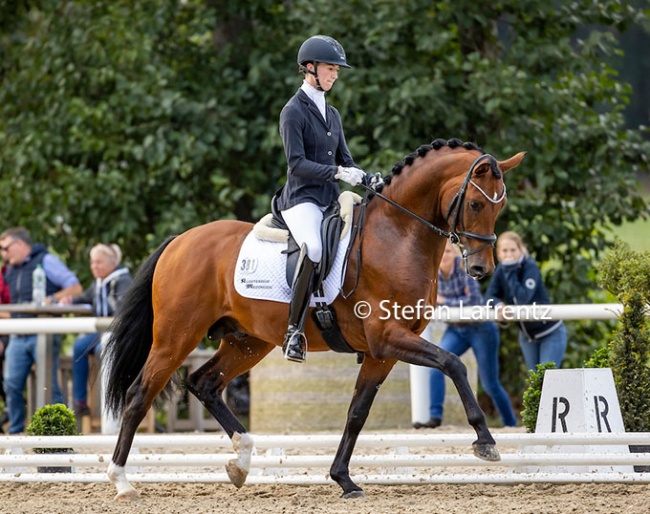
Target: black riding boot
point(294, 346)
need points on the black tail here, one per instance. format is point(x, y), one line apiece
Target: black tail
point(131, 336)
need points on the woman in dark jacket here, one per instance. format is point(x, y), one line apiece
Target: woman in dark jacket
point(317, 157)
point(105, 295)
point(518, 280)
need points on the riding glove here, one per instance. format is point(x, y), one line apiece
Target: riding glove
point(352, 176)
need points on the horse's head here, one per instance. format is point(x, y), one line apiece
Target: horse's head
point(472, 200)
point(453, 189)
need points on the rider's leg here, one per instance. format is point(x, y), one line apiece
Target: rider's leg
point(304, 222)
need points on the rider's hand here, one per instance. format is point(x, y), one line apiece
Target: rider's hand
point(352, 176)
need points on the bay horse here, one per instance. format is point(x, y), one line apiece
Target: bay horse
point(185, 290)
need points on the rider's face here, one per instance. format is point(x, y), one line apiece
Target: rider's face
point(327, 75)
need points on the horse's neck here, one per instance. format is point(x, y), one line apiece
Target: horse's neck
point(398, 234)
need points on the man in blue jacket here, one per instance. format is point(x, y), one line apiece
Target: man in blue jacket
point(22, 258)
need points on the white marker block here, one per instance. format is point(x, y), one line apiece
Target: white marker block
point(579, 401)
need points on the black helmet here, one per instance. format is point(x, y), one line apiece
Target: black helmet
point(322, 49)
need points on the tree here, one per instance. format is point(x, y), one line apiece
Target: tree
point(126, 121)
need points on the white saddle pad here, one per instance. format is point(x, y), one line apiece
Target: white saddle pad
point(261, 271)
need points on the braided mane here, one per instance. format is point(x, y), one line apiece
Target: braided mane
point(436, 144)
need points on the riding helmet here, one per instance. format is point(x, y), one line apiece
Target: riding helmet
point(322, 49)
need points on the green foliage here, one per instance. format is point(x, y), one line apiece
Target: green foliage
point(129, 121)
point(626, 274)
point(533, 395)
point(599, 359)
point(54, 419)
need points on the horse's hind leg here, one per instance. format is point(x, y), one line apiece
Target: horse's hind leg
point(208, 383)
point(372, 374)
point(139, 398)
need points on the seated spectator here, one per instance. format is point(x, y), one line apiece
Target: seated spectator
point(22, 258)
point(105, 295)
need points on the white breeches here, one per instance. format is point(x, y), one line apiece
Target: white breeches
point(304, 221)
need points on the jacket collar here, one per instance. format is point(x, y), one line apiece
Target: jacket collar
point(311, 106)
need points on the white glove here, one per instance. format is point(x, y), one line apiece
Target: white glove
point(352, 176)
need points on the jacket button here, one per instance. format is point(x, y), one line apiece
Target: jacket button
point(329, 153)
point(329, 133)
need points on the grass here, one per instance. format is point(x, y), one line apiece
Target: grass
point(636, 234)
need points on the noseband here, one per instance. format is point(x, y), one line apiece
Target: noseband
point(455, 208)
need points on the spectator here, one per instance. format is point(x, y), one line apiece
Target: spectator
point(22, 258)
point(4, 340)
point(105, 295)
point(518, 280)
point(457, 289)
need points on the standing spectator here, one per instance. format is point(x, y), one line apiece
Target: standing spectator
point(105, 295)
point(518, 280)
point(457, 289)
point(22, 258)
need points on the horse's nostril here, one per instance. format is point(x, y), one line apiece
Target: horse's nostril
point(477, 271)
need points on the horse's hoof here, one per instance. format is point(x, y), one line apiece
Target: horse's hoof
point(353, 494)
point(127, 496)
point(487, 452)
point(236, 475)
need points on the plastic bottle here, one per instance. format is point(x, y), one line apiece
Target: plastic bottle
point(38, 285)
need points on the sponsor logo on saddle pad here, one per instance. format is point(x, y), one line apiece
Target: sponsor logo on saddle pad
point(260, 272)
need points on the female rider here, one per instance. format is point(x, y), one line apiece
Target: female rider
point(317, 156)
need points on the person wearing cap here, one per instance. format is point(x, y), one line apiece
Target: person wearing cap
point(317, 157)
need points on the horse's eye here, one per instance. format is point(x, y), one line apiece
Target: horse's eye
point(475, 206)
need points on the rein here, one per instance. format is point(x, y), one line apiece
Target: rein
point(453, 234)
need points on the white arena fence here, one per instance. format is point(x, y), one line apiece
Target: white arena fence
point(595, 311)
point(401, 459)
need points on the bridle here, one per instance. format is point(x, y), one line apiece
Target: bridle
point(455, 208)
point(454, 211)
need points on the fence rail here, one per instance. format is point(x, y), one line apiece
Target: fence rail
point(396, 465)
point(469, 314)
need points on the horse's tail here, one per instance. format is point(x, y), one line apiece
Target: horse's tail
point(131, 335)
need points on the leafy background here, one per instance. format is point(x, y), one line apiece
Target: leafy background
point(129, 121)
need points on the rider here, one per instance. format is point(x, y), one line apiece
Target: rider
point(317, 155)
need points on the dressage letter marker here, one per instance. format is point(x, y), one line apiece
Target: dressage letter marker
point(579, 401)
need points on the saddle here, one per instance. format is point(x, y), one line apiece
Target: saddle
point(336, 221)
point(330, 232)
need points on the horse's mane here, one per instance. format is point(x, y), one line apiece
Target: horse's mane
point(436, 144)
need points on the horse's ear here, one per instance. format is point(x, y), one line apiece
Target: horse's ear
point(511, 163)
point(482, 168)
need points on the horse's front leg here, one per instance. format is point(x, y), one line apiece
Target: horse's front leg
point(372, 374)
point(416, 350)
